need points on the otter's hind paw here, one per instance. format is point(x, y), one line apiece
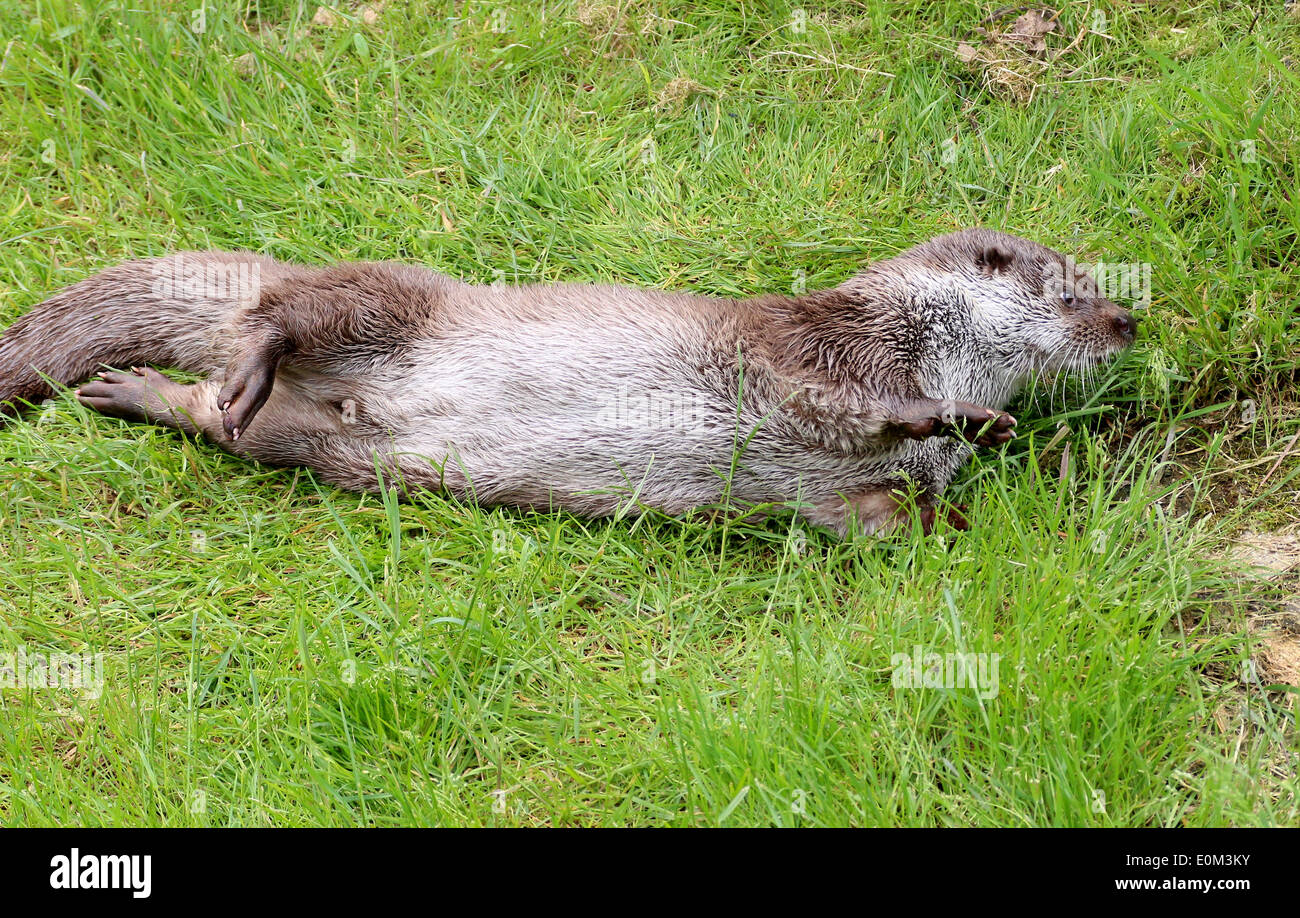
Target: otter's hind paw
point(135, 396)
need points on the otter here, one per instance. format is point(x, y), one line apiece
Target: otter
point(855, 405)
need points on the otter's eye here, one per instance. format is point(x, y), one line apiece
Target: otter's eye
point(1067, 297)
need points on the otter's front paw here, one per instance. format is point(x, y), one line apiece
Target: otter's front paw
point(981, 426)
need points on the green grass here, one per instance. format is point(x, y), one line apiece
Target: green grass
point(278, 652)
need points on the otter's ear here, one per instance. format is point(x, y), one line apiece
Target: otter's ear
point(993, 258)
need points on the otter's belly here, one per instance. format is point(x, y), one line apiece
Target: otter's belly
point(547, 414)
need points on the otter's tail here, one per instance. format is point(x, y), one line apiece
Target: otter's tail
point(176, 311)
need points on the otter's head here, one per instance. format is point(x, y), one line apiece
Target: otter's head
point(1026, 303)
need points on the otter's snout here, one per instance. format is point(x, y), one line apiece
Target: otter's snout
point(1122, 321)
point(1125, 323)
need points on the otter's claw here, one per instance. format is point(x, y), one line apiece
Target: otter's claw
point(248, 386)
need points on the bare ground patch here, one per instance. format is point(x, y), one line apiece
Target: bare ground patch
point(1013, 57)
point(1273, 560)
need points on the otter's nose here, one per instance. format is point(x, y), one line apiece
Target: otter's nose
point(1126, 324)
